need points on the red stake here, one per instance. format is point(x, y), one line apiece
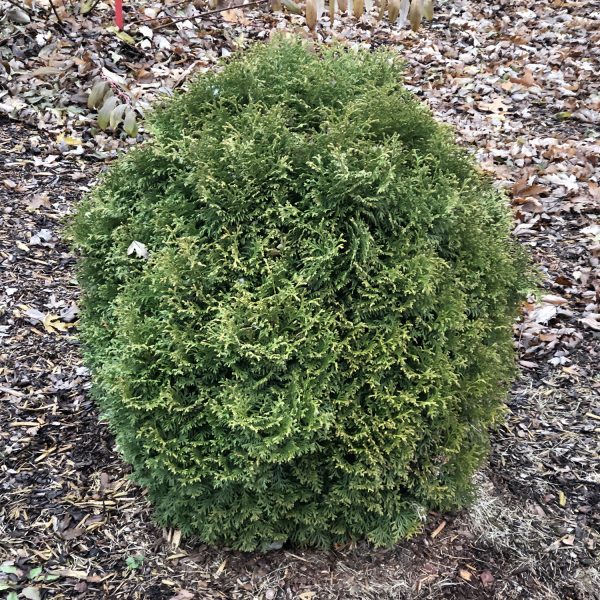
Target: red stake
point(119, 13)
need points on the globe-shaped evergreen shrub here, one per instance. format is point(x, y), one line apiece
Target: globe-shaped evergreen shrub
point(319, 335)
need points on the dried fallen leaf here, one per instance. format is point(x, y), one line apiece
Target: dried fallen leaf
point(69, 140)
point(235, 15)
point(526, 191)
point(530, 205)
point(53, 324)
point(568, 181)
point(17, 15)
point(527, 79)
point(70, 313)
point(593, 230)
point(71, 534)
point(487, 578)
point(527, 364)
point(138, 249)
point(35, 315)
point(553, 299)
point(593, 322)
point(497, 106)
point(31, 593)
point(568, 540)
point(183, 595)
point(544, 314)
point(39, 201)
point(71, 573)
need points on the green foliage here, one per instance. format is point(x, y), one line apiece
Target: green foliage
point(134, 562)
point(313, 334)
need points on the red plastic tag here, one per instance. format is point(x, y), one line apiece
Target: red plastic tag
point(119, 13)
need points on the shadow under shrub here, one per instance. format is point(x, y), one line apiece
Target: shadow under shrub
point(320, 335)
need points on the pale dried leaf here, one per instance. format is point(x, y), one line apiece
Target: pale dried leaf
point(146, 31)
point(553, 299)
point(138, 249)
point(183, 595)
point(543, 314)
point(17, 15)
point(31, 593)
point(34, 314)
point(117, 115)
point(99, 90)
point(105, 112)
point(591, 322)
point(130, 123)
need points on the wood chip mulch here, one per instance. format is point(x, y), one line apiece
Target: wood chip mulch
point(520, 85)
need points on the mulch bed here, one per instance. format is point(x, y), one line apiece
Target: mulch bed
point(520, 85)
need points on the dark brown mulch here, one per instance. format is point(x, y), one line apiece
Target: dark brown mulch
point(66, 505)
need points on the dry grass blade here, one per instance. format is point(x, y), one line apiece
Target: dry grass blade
point(311, 14)
point(358, 8)
point(415, 14)
point(393, 10)
point(428, 9)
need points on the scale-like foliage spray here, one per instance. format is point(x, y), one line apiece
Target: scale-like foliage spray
point(316, 333)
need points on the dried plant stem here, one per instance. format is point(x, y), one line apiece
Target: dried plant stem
point(55, 12)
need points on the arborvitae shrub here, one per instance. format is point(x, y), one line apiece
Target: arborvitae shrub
point(320, 335)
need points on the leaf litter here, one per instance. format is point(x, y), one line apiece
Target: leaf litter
point(519, 84)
